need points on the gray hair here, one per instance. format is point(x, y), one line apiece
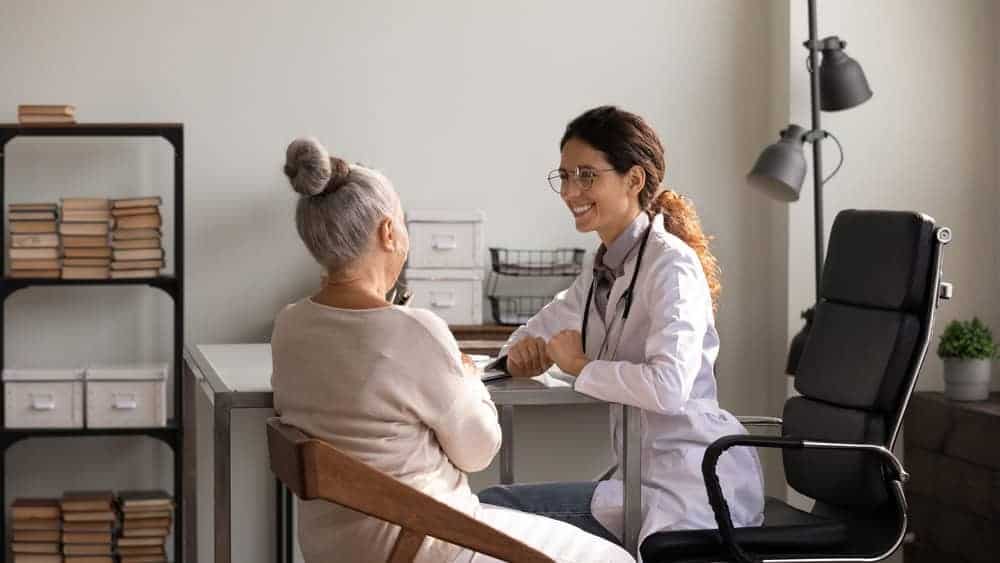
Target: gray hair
point(340, 205)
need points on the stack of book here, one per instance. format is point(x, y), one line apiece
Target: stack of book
point(34, 242)
point(88, 521)
point(137, 247)
point(146, 520)
point(84, 228)
point(35, 531)
point(46, 114)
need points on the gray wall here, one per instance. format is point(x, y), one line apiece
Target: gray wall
point(461, 106)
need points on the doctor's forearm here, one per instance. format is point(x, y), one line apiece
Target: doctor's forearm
point(648, 386)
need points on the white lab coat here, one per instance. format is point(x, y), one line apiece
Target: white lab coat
point(663, 364)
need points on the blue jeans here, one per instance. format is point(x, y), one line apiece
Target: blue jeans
point(567, 502)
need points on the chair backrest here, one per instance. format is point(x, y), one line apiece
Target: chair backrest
point(869, 336)
point(313, 469)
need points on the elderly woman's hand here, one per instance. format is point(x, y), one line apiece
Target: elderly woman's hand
point(527, 357)
point(566, 350)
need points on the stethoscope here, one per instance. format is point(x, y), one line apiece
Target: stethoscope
point(626, 296)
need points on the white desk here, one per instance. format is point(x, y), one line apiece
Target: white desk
point(236, 376)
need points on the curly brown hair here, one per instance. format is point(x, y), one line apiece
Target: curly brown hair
point(681, 220)
point(627, 140)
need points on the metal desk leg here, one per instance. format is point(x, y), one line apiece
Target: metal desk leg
point(507, 444)
point(632, 474)
point(223, 522)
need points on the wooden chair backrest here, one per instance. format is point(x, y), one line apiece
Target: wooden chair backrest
point(313, 469)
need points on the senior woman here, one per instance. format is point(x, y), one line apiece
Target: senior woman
point(385, 383)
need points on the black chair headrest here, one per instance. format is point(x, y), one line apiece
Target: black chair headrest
point(879, 259)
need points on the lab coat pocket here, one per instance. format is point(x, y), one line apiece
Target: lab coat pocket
point(672, 471)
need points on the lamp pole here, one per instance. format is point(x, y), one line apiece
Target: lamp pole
point(838, 84)
point(813, 45)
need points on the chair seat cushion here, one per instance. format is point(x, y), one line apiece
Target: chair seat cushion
point(786, 529)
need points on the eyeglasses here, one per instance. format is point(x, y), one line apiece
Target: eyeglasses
point(584, 177)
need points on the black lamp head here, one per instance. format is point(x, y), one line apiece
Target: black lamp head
point(781, 167)
point(842, 83)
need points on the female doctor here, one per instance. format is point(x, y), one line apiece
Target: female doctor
point(638, 330)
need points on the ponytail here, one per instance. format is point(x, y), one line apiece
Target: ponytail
point(681, 220)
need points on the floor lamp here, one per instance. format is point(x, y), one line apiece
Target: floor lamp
point(838, 83)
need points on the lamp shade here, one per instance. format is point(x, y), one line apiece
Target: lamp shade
point(781, 167)
point(842, 83)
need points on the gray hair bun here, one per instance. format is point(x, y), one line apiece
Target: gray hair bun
point(311, 170)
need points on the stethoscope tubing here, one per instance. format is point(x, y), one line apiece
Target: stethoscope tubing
point(627, 296)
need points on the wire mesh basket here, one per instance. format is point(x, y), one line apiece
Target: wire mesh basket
point(557, 262)
point(516, 309)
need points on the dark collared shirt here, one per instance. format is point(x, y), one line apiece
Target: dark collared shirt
point(609, 262)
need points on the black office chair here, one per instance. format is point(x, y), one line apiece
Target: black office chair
point(872, 326)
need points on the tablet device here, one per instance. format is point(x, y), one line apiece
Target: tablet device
point(495, 369)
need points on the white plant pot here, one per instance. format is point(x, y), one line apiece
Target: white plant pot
point(966, 380)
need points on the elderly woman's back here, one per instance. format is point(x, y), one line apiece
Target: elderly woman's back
point(383, 383)
point(386, 386)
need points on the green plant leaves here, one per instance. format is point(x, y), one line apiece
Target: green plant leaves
point(967, 340)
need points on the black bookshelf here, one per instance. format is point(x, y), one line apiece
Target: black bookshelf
point(171, 435)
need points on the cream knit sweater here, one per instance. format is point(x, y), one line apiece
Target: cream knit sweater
point(388, 387)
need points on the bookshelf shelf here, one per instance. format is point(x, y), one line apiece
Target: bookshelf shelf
point(167, 434)
point(168, 284)
point(172, 434)
point(169, 131)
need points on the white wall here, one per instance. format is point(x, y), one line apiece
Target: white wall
point(461, 104)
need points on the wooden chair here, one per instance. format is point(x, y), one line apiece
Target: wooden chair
point(313, 469)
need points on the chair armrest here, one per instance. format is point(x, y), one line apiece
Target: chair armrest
point(724, 518)
point(760, 421)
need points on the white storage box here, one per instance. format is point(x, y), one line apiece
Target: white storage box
point(446, 239)
point(126, 396)
point(43, 398)
point(455, 295)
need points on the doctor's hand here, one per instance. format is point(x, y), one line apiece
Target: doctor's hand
point(527, 357)
point(566, 350)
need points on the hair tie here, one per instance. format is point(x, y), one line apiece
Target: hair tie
point(340, 174)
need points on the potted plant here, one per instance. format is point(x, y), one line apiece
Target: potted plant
point(967, 348)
